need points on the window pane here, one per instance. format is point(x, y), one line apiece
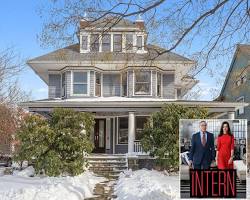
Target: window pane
point(124, 84)
point(142, 82)
point(106, 40)
point(80, 77)
point(94, 42)
point(129, 41)
point(63, 85)
point(140, 122)
point(80, 88)
point(117, 43)
point(97, 84)
point(143, 76)
point(139, 42)
point(158, 84)
point(123, 130)
point(84, 42)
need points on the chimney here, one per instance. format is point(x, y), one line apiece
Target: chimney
point(84, 22)
point(140, 22)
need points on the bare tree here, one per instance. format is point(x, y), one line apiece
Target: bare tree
point(10, 67)
point(204, 30)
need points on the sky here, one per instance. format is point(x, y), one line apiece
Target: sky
point(19, 26)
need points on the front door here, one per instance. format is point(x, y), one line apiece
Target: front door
point(99, 136)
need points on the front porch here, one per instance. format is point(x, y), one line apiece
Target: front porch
point(120, 119)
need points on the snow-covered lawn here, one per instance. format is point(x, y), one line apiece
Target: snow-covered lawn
point(147, 185)
point(21, 187)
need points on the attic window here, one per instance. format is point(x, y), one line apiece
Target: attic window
point(139, 42)
point(106, 43)
point(117, 43)
point(94, 42)
point(84, 42)
point(129, 42)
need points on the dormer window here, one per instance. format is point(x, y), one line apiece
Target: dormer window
point(84, 42)
point(94, 41)
point(129, 42)
point(139, 42)
point(106, 43)
point(117, 46)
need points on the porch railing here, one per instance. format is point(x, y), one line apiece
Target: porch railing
point(138, 148)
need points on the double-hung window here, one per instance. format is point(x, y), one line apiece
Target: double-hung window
point(129, 42)
point(106, 43)
point(117, 47)
point(84, 42)
point(80, 83)
point(94, 42)
point(142, 82)
point(158, 84)
point(139, 42)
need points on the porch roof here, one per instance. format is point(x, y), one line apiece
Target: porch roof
point(107, 104)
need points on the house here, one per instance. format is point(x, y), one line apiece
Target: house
point(236, 87)
point(114, 73)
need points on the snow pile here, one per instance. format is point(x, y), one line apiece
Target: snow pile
point(27, 172)
point(147, 185)
point(19, 187)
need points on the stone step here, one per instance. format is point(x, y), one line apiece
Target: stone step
point(108, 168)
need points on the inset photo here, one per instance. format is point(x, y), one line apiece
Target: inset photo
point(213, 158)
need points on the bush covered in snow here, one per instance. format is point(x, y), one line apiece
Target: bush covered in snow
point(56, 146)
point(160, 135)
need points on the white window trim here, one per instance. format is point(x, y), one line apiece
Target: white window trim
point(72, 83)
point(88, 43)
point(151, 85)
point(100, 41)
point(143, 47)
point(242, 108)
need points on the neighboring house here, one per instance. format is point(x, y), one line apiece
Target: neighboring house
point(236, 87)
point(115, 74)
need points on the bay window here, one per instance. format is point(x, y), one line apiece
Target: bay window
point(80, 83)
point(142, 82)
point(158, 84)
point(97, 84)
point(63, 86)
point(124, 84)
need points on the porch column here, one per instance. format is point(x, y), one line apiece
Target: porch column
point(231, 115)
point(131, 131)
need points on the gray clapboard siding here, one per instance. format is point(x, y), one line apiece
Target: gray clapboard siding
point(111, 85)
point(54, 86)
point(130, 83)
point(168, 86)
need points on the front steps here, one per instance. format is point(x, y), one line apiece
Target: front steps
point(109, 166)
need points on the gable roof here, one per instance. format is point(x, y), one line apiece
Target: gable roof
point(243, 48)
point(72, 53)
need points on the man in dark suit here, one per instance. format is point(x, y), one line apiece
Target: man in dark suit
point(202, 152)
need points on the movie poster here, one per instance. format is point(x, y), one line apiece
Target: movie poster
point(213, 158)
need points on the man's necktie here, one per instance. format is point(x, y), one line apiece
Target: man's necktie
point(203, 139)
